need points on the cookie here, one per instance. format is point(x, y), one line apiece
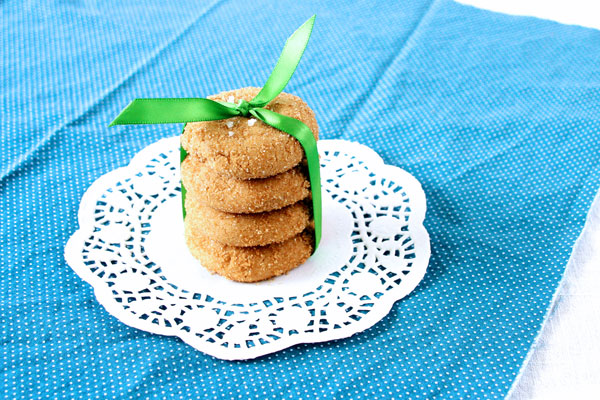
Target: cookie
point(249, 264)
point(245, 148)
point(247, 229)
point(242, 196)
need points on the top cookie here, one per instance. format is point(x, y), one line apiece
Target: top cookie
point(245, 148)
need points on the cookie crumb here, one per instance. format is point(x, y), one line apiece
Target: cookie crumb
point(251, 121)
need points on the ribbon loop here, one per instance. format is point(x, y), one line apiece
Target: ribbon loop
point(286, 64)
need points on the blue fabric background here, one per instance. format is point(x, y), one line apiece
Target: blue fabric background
point(497, 116)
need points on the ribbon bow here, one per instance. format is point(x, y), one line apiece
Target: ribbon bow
point(168, 111)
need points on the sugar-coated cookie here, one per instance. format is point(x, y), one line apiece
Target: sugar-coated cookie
point(249, 264)
point(242, 196)
point(245, 148)
point(246, 230)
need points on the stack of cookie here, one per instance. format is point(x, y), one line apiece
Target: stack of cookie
point(248, 210)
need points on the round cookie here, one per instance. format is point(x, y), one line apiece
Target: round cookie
point(242, 196)
point(246, 230)
point(246, 148)
point(249, 264)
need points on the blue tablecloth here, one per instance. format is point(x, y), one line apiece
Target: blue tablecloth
point(497, 116)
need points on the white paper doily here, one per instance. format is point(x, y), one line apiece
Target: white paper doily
point(130, 247)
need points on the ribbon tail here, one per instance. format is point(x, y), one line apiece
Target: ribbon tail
point(286, 64)
point(171, 111)
point(304, 135)
point(182, 155)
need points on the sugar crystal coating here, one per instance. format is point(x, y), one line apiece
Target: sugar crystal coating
point(247, 210)
point(243, 196)
point(249, 264)
point(245, 230)
point(255, 150)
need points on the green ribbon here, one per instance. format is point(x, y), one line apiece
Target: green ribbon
point(168, 111)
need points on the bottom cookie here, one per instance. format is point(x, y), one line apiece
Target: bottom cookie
point(250, 264)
